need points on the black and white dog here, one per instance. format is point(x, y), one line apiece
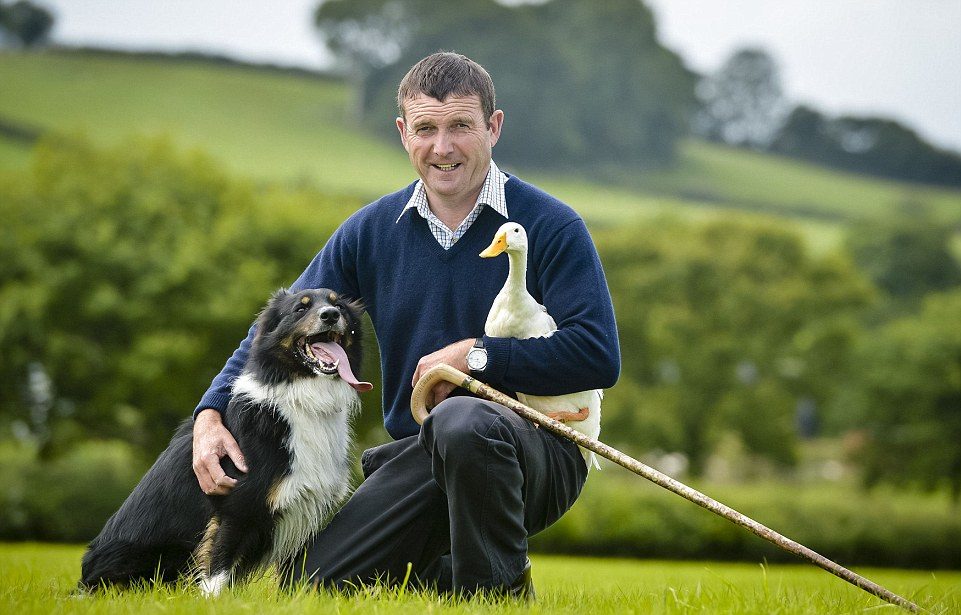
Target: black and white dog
point(289, 412)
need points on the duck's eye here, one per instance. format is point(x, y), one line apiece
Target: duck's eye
point(517, 230)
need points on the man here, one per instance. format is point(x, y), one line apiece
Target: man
point(456, 499)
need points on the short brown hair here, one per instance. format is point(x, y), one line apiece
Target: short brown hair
point(444, 74)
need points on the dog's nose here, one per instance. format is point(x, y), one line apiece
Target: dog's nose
point(329, 315)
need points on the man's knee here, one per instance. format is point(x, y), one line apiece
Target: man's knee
point(460, 422)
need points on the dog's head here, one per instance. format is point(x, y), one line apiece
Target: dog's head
point(306, 334)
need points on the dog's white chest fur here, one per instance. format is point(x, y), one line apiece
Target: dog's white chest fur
point(318, 411)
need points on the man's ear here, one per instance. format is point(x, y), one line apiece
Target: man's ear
point(402, 129)
point(495, 124)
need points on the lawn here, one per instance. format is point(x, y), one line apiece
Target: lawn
point(38, 578)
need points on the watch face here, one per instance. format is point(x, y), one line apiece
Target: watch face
point(477, 359)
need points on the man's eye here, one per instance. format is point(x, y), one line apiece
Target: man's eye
point(425, 130)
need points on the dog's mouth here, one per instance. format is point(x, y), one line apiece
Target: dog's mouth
point(318, 354)
point(324, 354)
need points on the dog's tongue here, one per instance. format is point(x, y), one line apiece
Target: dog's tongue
point(343, 366)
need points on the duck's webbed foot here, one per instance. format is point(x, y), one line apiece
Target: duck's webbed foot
point(566, 416)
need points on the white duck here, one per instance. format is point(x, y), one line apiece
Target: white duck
point(515, 313)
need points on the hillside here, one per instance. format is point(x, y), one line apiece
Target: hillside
point(132, 264)
point(271, 125)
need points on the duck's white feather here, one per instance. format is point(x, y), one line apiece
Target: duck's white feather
point(515, 313)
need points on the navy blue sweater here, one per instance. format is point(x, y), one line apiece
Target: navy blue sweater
point(422, 298)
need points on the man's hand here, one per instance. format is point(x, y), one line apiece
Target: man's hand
point(454, 355)
point(211, 442)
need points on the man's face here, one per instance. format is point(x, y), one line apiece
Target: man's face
point(449, 144)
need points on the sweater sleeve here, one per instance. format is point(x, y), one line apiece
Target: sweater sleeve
point(333, 267)
point(583, 353)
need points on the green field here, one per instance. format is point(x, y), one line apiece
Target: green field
point(269, 125)
point(41, 579)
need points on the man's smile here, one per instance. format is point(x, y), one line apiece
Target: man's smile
point(446, 167)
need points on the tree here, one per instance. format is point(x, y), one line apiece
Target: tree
point(870, 145)
point(911, 384)
point(28, 23)
point(127, 277)
point(742, 104)
point(725, 327)
point(583, 84)
point(907, 257)
point(366, 35)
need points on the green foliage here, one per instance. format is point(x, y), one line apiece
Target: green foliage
point(581, 84)
point(127, 276)
point(911, 397)
point(907, 256)
point(67, 499)
point(725, 327)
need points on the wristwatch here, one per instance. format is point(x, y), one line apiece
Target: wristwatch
point(477, 357)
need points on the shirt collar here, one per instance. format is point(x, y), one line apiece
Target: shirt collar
point(491, 194)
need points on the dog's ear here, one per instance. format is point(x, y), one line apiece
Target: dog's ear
point(353, 343)
point(356, 309)
point(272, 313)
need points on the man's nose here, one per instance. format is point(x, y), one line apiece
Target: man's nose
point(443, 143)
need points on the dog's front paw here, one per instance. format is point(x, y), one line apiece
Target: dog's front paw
point(212, 586)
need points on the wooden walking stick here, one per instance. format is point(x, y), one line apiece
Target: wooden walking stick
point(418, 407)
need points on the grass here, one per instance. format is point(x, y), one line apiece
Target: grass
point(766, 182)
point(38, 578)
point(275, 126)
point(262, 124)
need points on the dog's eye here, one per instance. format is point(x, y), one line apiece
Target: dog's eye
point(303, 307)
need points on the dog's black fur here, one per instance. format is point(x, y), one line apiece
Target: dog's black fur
point(168, 527)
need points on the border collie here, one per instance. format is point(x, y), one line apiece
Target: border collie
point(289, 412)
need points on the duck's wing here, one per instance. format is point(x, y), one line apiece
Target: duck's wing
point(550, 318)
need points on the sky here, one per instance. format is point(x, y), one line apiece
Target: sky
point(893, 58)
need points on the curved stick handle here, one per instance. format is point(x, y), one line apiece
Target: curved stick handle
point(418, 399)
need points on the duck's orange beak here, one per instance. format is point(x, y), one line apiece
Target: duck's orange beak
point(497, 246)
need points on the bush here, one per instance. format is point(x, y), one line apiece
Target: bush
point(128, 276)
point(625, 516)
point(67, 499)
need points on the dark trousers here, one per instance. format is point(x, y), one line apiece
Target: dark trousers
point(457, 502)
